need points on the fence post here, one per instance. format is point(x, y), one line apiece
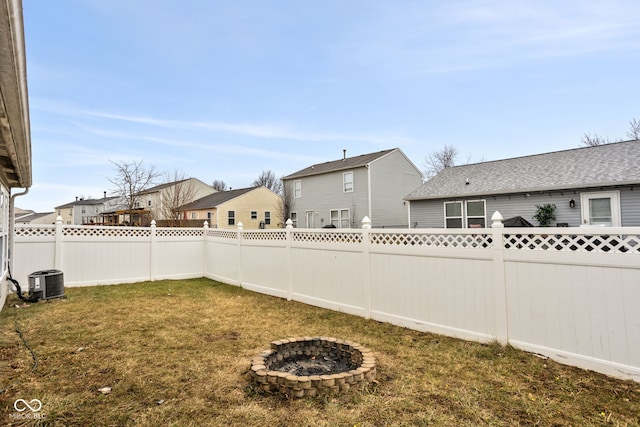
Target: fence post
point(57, 257)
point(240, 228)
point(289, 234)
point(205, 249)
point(366, 243)
point(499, 284)
point(152, 251)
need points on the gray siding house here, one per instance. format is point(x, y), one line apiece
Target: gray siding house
point(589, 186)
point(341, 193)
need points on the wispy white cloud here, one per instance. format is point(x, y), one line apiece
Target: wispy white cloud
point(256, 130)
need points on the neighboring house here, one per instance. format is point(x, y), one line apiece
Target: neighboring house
point(589, 186)
point(86, 211)
point(342, 192)
point(254, 207)
point(163, 200)
point(36, 218)
point(15, 134)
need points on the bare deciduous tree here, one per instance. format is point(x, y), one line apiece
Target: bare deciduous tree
point(268, 179)
point(219, 185)
point(181, 192)
point(130, 180)
point(595, 139)
point(286, 205)
point(440, 159)
point(634, 131)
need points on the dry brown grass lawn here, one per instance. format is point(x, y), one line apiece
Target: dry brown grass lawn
point(177, 353)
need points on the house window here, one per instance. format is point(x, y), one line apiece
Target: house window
point(267, 217)
point(193, 215)
point(294, 219)
point(340, 218)
point(254, 214)
point(84, 209)
point(453, 214)
point(149, 203)
point(469, 214)
point(297, 189)
point(347, 182)
point(231, 218)
point(476, 214)
point(209, 216)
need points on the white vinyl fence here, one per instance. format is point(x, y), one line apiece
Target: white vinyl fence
point(571, 294)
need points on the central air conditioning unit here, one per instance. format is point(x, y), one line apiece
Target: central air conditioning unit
point(46, 284)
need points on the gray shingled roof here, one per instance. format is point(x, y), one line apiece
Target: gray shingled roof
point(342, 164)
point(215, 199)
point(603, 165)
point(86, 202)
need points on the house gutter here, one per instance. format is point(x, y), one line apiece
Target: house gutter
point(12, 223)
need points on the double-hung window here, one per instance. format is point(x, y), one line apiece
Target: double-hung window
point(267, 217)
point(453, 215)
point(340, 218)
point(465, 214)
point(347, 182)
point(297, 189)
point(231, 218)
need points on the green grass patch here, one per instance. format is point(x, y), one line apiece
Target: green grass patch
point(178, 353)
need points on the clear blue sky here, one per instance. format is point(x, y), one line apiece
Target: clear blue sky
point(226, 89)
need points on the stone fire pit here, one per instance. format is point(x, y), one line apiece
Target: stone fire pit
point(311, 366)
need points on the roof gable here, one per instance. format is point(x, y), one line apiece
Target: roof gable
point(602, 165)
point(339, 165)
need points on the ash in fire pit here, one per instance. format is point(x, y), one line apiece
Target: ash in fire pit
point(313, 365)
point(309, 366)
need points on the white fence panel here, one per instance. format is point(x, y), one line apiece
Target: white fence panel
point(34, 249)
point(453, 296)
point(222, 256)
point(264, 262)
point(178, 253)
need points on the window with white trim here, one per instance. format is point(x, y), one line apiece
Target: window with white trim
point(294, 219)
point(340, 218)
point(231, 218)
point(347, 182)
point(453, 215)
point(254, 214)
point(267, 217)
point(465, 214)
point(476, 217)
point(297, 189)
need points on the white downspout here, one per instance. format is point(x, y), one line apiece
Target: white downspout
point(12, 221)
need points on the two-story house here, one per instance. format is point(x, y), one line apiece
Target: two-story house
point(86, 211)
point(340, 193)
point(163, 201)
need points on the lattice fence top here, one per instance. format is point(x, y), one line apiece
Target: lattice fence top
point(469, 241)
point(179, 232)
point(79, 231)
point(326, 237)
point(35, 231)
point(264, 235)
point(224, 234)
point(608, 243)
